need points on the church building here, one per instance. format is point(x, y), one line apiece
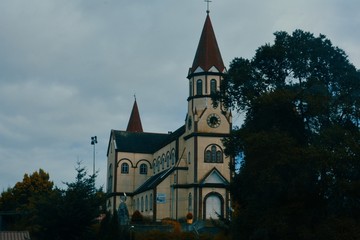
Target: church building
point(168, 175)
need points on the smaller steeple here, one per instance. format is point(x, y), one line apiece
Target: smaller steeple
point(134, 124)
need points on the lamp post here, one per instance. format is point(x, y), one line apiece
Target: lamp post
point(93, 142)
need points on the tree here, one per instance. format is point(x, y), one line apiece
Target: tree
point(53, 213)
point(19, 200)
point(71, 213)
point(300, 141)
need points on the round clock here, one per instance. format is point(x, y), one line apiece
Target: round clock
point(213, 120)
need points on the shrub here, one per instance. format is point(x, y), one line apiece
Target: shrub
point(137, 217)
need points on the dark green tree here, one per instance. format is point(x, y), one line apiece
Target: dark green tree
point(300, 141)
point(71, 213)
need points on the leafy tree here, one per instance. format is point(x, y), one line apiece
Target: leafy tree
point(53, 213)
point(300, 141)
point(19, 200)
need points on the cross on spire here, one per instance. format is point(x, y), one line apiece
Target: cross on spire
point(207, 3)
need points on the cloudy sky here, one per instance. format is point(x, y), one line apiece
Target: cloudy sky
point(69, 68)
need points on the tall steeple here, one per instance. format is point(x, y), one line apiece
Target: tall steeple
point(134, 124)
point(208, 53)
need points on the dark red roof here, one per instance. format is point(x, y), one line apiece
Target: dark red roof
point(208, 53)
point(134, 124)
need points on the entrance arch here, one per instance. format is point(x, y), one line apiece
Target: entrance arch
point(213, 206)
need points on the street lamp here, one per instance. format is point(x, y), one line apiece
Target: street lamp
point(93, 142)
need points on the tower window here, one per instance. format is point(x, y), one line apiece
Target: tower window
point(143, 168)
point(190, 88)
point(213, 86)
point(199, 87)
point(125, 168)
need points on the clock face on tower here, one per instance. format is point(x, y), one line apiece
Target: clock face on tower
point(213, 120)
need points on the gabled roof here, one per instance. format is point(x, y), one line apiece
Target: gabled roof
point(142, 142)
point(134, 124)
point(138, 142)
point(208, 53)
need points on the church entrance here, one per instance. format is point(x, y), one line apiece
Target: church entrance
point(212, 207)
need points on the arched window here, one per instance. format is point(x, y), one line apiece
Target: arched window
point(146, 203)
point(138, 204)
point(213, 86)
point(213, 154)
point(189, 203)
point(125, 168)
point(158, 164)
point(143, 168)
point(142, 204)
point(154, 166)
point(167, 159)
point(110, 178)
point(189, 159)
point(173, 157)
point(163, 162)
point(151, 201)
point(199, 87)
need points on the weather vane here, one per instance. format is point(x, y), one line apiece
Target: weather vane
point(207, 3)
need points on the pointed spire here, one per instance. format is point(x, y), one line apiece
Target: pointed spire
point(134, 124)
point(208, 53)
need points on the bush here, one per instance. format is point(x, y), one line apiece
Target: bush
point(137, 217)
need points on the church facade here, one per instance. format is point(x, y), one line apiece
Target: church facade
point(168, 175)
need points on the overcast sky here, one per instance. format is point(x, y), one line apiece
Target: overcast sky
point(69, 68)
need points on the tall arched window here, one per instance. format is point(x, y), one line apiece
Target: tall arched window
point(158, 164)
point(189, 203)
point(173, 157)
point(154, 166)
point(151, 201)
point(143, 168)
point(142, 204)
point(125, 168)
point(146, 203)
point(167, 159)
point(199, 87)
point(213, 153)
point(163, 162)
point(213, 86)
point(189, 159)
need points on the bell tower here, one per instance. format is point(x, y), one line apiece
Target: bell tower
point(205, 76)
point(206, 126)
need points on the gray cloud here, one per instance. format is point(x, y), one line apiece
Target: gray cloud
point(69, 69)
